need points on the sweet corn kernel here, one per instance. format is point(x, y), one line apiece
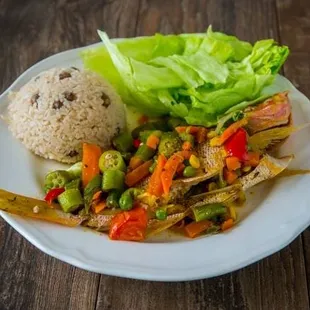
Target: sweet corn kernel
point(246, 168)
point(194, 161)
point(215, 141)
point(211, 134)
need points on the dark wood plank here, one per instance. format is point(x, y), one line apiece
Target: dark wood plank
point(294, 22)
point(297, 70)
point(277, 282)
point(31, 31)
point(33, 280)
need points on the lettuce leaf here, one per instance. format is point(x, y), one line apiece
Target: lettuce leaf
point(199, 77)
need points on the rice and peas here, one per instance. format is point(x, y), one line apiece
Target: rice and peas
point(55, 112)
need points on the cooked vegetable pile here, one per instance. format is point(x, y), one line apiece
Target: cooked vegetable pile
point(166, 174)
point(196, 77)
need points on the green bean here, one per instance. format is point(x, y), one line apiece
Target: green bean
point(111, 160)
point(136, 132)
point(113, 179)
point(189, 172)
point(208, 211)
point(70, 200)
point(146, 133)
point(113, 198)
point(56, 179)
point(161, 125)
point(187, 137)
point(73, 184)
point(91, 188)
point(128, 197)
point(75, 171)
point(144, 152)
point(123, 142)
point(152, 168)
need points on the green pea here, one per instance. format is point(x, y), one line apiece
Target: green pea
point(189, 172)
point(126, 202)
point(161, 214)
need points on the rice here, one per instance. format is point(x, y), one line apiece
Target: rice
point(55, 112)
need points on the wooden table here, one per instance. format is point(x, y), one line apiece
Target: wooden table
point(32, 30)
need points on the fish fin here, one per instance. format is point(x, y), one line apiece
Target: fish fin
point(38, 209)
point(268, 168)
point(263, 140)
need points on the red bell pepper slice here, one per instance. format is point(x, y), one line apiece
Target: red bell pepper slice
point(129, 225)
point(53, 194)
point(236, 145)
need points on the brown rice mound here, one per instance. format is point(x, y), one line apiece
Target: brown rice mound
point(55, 112)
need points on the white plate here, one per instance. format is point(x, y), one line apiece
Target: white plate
point(276, 212)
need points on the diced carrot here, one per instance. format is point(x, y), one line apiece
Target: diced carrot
point(195, 228)
point(233, 163)
point(169, 171)
point(135, 162)
point(230, 176)
point(152, 142)
point(155, 186)
point(227, 224)
point(186, 146)
point(201, 135)
point(181, 129)
point(90, 161)
point(99, 207)
point(228, 132)
point(143, 119)
point(184, 154)
point(252, 159)
point(188, 129)
point(134, 176)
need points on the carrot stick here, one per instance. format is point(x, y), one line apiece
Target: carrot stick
point(184, 154)
point(233, 163)
point(135, 162)
point(169, 171)
point(96, 195)
point(180, 169)
point(134, 176)
point(91, 155)
point(195, 228)
point(99, 207)
point(155, 186)
point(227, 224)
point(152, 142)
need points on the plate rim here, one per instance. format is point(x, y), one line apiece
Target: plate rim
point(114, 269)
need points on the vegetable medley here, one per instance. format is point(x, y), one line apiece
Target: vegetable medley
point(168, 174)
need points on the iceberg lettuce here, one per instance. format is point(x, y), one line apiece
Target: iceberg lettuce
point(198, 77)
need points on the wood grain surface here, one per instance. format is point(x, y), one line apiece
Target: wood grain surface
point(30, 31)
